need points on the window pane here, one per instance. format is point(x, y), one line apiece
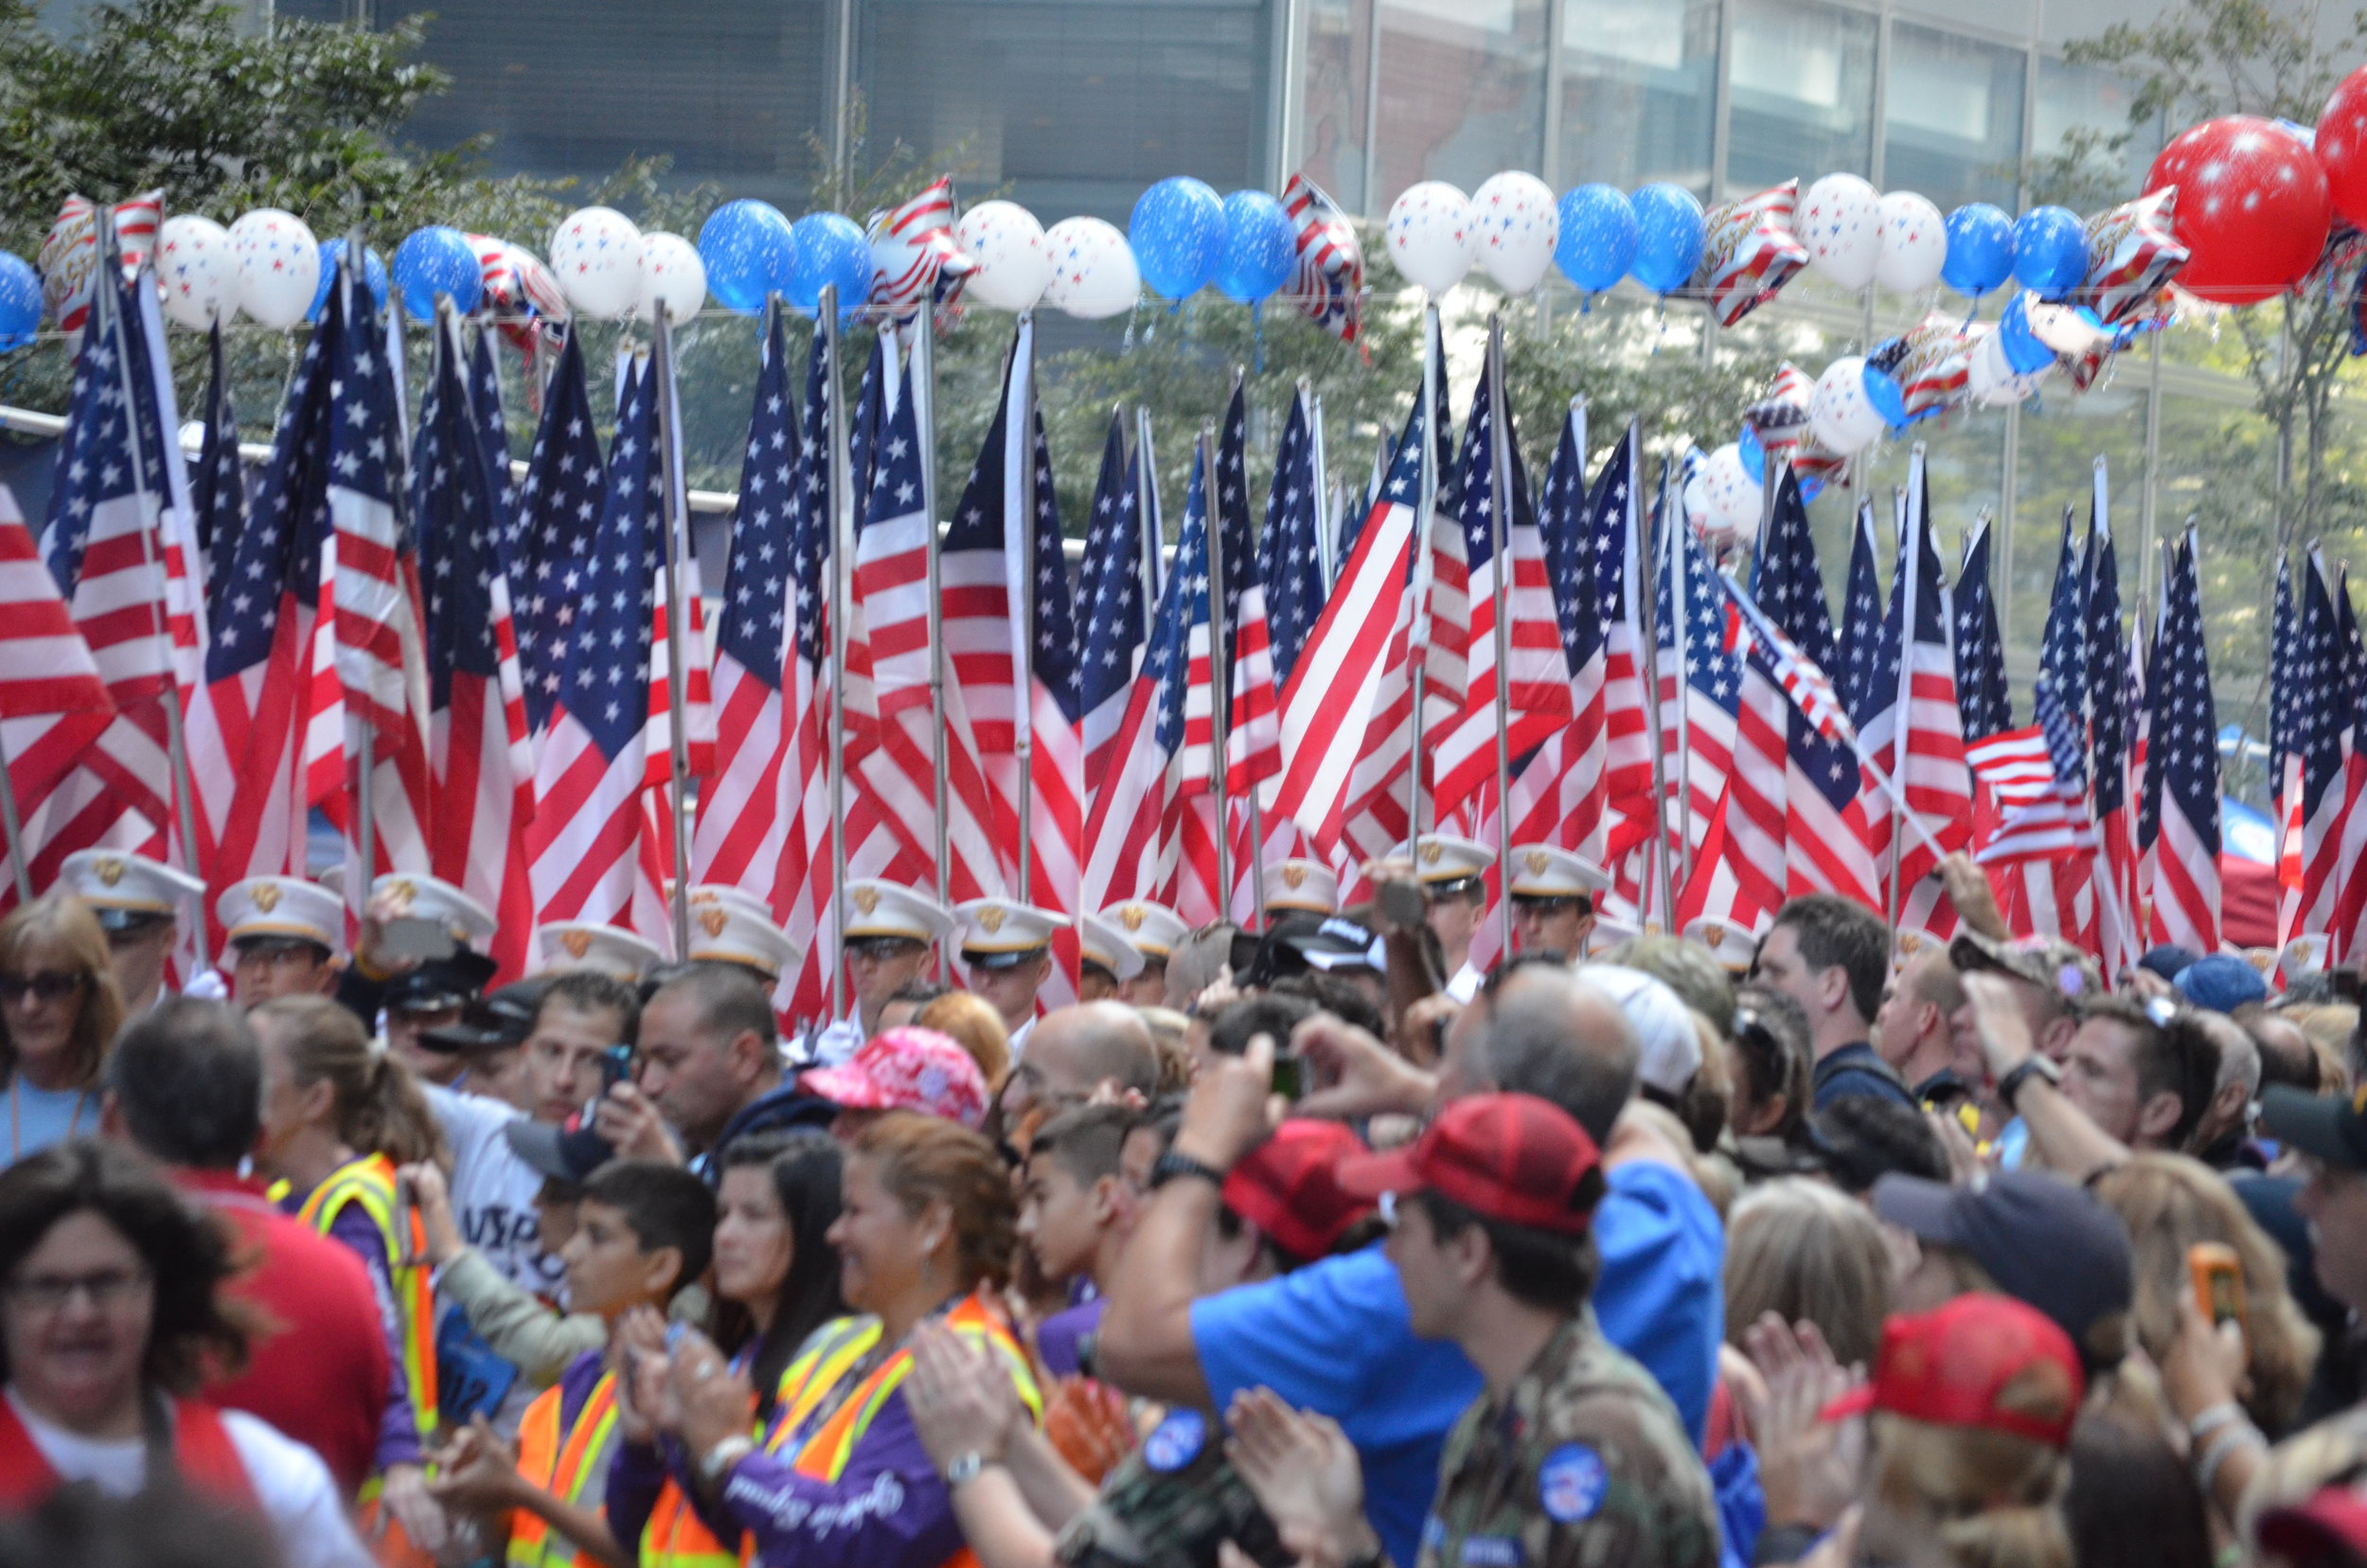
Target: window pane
point(1462, 91)
point(1339, 55)
point(1802, 93)
point(1953, 117)
point(2062, 433)
point(729, 88)
point(1080, 106)
point(1639, 95)
point(2081, 103)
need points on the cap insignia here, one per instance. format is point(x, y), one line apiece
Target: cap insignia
point(266, 896)
point(107, 869)
point(577, 943)
point(1131, 918)
point(714, 918)
point(866, 898)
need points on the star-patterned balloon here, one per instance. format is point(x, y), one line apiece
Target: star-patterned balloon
point(1780, 419)
point(279, 265)
point(517, 284)
point(2132, 255)
point(70, 254)
point(914, 254)
point(2340, 144)
point(1094, 276)
point(1840, 219)
point(596, 253)
point(1329, 285)
point(1429, 235)
point(20, 301)
point(1914, 242)
point(2252, 207)
point(1012, 261)
point(1749, 252)
point(1931, 362)
point(1515, 227)
point(673, 276)
point(197, 274)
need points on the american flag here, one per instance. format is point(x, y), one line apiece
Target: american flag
point(597, 845)
point(1981, 692)
point(1814, 698)
point(2348, 928)
point(1131, 849)
point(1329, 279)
point(1345, 707)
point(2114, 866)
point(1910, 723)
point(479, 757)
point(1534, 680)
point(2055, 894)
point(558, 519)
point(1863, 655)
point(1700, 692)
point(2182, 769)
point(1290, 554)
point(1825, 842)
point(1615, 515)
point(1556, 795)
point(52, 702)
point(1252, 742)
point(2285, 694)
point(218, 483)
point(748, 810)
point(2322, 705)
point(120, 551)
point(1193, 888)
point(1115, 596)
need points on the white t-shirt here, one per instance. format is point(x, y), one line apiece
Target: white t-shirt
point(494, 1190)
point(1464, 985)
point(289, 1481)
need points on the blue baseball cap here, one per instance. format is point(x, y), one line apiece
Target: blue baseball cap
point(2221, 983)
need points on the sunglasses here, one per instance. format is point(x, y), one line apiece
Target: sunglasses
point(878, 949)
point(45, 987)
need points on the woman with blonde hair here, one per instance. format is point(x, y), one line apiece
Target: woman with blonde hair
point(2170, 1204)
point(339, 1116)
point(1800, 1248)
point(976, 1027)
point(59, 1012)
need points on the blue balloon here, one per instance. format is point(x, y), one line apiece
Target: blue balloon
point(1979, 249)
point(1753, 453)
point(1669, 230)
point(1882, 391)
point(744, 246)
point(373, 271)
point(1260, 247)
point(2050, 251)
point(2024, 354)
point(20, 301)
point(1178, 233)
point(435, 261)
point(825, 251)
point(1598, 236)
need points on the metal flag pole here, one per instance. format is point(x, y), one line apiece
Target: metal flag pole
point(1681, 633)
point(1903, 583)
point(677, 523)
point(1648, 634)
point(1425, 493)
point(924, 367)
point(1499, 527)
point(1147, 505)
point(1326, 537)
point(1023, 646)
point(105, 300)
point(841, 571)
point(1219, 672)
point(15, 830)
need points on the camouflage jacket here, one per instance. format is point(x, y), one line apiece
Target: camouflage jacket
point(1170, 1504)
point(1584, 1466)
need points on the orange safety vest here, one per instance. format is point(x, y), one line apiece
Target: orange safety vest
point(568, 1465)
point(676, 1539)
point(370, 1182)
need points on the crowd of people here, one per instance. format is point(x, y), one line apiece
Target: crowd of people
point(1317, 1245)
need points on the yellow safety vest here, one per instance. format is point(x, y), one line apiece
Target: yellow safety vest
point(568, 1465)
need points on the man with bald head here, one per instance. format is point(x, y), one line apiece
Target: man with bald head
point(1074, 1051)
point(1337, 1336)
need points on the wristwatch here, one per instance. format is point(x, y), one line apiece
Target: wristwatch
point(2034, 1065)
point(1168, 1166)
point(965, 1467)
point(722, 1456)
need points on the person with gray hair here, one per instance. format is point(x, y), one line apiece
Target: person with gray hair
point(1337, 1337)
point(2222, 1135)
point(1074, 1051)
point(707, 1069)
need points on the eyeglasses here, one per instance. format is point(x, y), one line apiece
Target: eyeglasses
point(44, 987)
point(107, 1290)
point(879, 950)
point(1540, 904)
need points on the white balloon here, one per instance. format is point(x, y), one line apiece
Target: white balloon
point(1840, 219)
point(1094, 274)
point(1840, 414)
point(1914, 244)
point(279, 266)
point(596, 253)
point(1516, 223)
point(1014, 258)
point(671, 274)
point(197, 271)
point(1989, 377)
point(1429, 235)
point(1731, 497)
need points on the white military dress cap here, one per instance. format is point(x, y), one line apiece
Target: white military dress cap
point(731, 926)
point(124, 889)
point(1542, 871)
point(1104, 944)
point(875, 908)
point(285, 907)
point(999, 932)
point(433, 898)
point(1444, 858)
point(1730, 941)
point(588, 945)
point(1155, 930)
point(1302, 884)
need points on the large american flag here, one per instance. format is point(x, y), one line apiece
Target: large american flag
point(2182, 769)
point(2322, 705)
point(1615, 513)
point(1194, 888)
point(479, 757)
point(1290, 554)
point(2348, 928)
point(1982, 693)
point(2119, 939)
point(597, 842)
point(120, 549)
point(558, 520)
point(52, 702)
point(2040, 775)
point(218, 483)
point(1700, 693)
point(1117, 602)
point(1861, 652)
point(1910, 721)
point(1556, 794)
point(2285, 694)
point(1534, 681)
point(1253, 729)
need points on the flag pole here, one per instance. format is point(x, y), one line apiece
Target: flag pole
point(1500, 546)
point(1680, 635)
point(1906, 578)
point(1147, 506)
point(1425, 493)
point(677, 608)
point(104, 299)
point(842, 568)
point(1023, 662)
point(1219, 674)
point(1327, 540)
point(15, 829)
point(924, 378)
point(1649, 636)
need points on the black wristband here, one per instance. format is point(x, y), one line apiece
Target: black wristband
point(1172, 1165)
point(2033, 1065)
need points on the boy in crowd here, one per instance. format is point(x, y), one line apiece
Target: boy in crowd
point(1076, 1211)
point(644, 1230)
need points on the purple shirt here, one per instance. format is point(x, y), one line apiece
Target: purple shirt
point(398, 1429)
point(1060, 1338)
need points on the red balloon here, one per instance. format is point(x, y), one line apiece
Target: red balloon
point(2342, 147)
point(2252, 207)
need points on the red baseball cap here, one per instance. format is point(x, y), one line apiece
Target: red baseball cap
point(1511, 1157)
point(1953, 1366)
point(2330, 1528)
point(1289, 1188)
